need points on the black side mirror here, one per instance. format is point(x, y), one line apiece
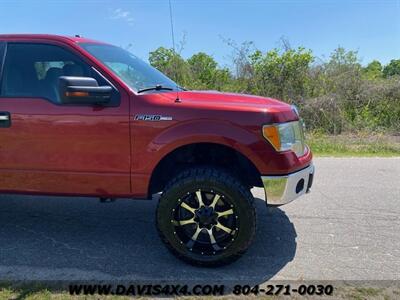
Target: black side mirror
point(82, 90)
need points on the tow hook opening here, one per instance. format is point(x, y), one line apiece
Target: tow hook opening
point(300, 186)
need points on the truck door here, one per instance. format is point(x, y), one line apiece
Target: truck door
point(49, 147)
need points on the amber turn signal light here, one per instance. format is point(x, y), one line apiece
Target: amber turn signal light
point(77, 94)
point(271, 133)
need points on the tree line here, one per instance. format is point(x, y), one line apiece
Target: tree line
point(334, 95)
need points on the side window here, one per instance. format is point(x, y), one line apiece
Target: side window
point(32, 70)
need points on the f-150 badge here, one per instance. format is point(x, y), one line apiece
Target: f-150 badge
point(152, 118)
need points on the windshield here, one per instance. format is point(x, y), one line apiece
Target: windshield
point(133, 71)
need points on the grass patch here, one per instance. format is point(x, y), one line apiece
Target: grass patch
point(354, 145)
point(362, 293)
point(33, 292)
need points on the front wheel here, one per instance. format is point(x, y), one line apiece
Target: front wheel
point(206, 217)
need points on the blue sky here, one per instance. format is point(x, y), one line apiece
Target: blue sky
point(371, 27)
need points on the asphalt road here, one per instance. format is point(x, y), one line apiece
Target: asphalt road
point(347, 228)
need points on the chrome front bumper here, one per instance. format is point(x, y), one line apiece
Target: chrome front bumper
point(280, 190)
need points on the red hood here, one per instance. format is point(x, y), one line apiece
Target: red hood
point(216, 96)
point(276, 110)
point(239, 101)
point(220, 98)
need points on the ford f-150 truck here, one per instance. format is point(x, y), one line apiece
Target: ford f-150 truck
point(84, 118)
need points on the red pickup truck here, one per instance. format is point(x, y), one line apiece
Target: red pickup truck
point(84, 118)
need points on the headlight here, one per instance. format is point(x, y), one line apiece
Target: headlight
point(286, 136)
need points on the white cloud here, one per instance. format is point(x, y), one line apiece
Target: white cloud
point(124, 15)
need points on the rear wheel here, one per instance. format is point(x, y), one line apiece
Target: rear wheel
point(206, 217)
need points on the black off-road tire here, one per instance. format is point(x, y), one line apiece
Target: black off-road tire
point(221, 182)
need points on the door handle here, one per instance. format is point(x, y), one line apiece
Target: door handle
point(5, 119)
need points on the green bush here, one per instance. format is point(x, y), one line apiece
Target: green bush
point(334, 96)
